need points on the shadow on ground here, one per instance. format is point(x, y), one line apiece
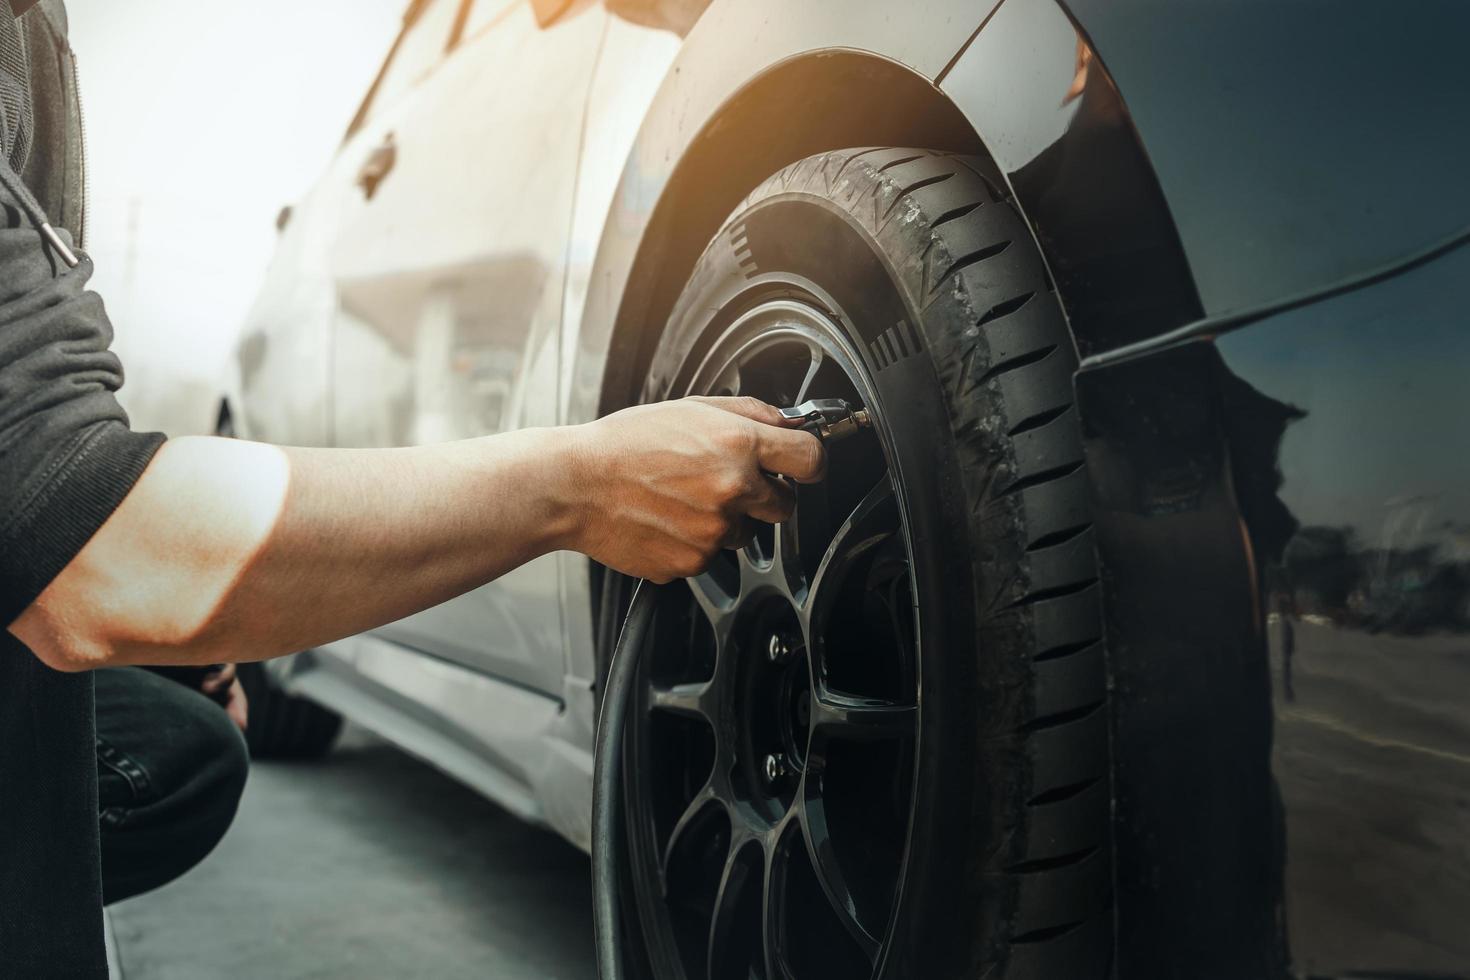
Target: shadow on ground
point(367, 864)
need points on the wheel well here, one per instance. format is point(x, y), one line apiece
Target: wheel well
point(800, 107)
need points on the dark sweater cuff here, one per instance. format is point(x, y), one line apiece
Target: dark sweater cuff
point(98, 473)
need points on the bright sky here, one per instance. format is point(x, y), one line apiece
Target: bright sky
point(203, 119)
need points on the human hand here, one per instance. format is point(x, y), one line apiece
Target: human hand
point(664, 487)
point(223, 685)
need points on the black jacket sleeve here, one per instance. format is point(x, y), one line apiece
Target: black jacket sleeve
point(67, 456)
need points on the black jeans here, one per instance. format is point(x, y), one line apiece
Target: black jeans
point(170, 769)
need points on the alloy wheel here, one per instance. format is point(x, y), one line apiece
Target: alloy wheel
point(774, 734)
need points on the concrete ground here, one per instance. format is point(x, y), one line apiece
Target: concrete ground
point(366, 864)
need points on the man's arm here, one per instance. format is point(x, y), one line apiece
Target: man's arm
point(228, 550)
point(116, 551)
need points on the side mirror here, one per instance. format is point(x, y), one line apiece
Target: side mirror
point(665, 15)
point(547, 11)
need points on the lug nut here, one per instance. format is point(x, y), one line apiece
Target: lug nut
point(779, 648)
point(775, 768)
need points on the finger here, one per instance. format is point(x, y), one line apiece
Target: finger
point(772, 501)
point(218, 680)
point(742, 532)
point(792, 453)
point(745, 405)
point(239, 707)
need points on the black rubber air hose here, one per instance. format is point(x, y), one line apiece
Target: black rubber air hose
point(608, 845)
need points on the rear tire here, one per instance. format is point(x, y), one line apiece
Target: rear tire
point(933, 277)
point(282, 726)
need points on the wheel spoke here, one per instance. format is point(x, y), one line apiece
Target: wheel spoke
point(751, 564)
point(787, 560)
point(844, 716)
point(685, 700)
point(773, 907)
point(697, 811)
point(874, 519)
point(818, 357)
point(712, 598)
point(819, 849)
point(895, 594)
point(734, 881)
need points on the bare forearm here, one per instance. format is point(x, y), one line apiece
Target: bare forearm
point(228, 550)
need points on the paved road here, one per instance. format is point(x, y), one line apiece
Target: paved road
point(368, 864)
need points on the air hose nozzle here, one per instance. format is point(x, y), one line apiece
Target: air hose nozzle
point(829, 419)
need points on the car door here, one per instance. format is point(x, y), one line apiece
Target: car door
point(283, 356)
point(448, 266)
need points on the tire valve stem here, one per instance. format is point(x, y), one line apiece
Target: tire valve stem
point(775, 768)
point(829, 419)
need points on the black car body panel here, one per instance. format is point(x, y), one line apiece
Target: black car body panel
point(1050, 116)
point(1284, 521)
point(1297, 143)
point(1185, 160)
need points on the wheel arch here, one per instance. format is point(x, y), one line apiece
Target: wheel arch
point(958, 79)
point(848, 98)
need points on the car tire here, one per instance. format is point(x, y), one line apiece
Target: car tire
point(281, 726)
point(924, 264)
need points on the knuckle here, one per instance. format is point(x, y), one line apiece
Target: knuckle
point(691, 565)
point(730, 485)
point(740, 438)
point(712, 533)
point(753, 406)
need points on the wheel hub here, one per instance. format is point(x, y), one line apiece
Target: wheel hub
point(771, 704)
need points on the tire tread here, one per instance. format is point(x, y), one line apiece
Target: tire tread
point(282, 726)
point(999, 337)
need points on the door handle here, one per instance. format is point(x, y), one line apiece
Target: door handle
point(377, 166)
